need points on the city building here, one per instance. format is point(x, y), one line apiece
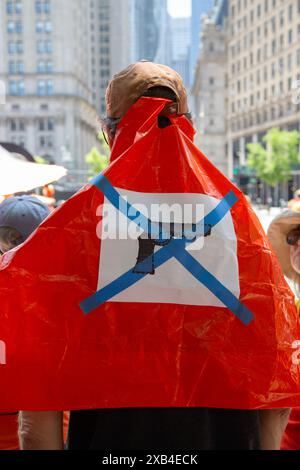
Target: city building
point(263, 72)
point(209, 91)
point(45, 64)
point(163, 54)
point(199, 7)
point(111, 44)
point(150, 31)
point(181, 40)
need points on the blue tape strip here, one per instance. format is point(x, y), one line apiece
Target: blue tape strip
point(122, 205)
point(123, 282)
point(215, 286)
point(161, 256)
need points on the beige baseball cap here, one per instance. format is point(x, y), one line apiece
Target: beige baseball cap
point(277, 233)
point(131, 83)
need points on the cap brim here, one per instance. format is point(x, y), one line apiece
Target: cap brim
point(277, 233)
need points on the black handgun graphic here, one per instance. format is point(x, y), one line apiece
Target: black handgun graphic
point(145, 259)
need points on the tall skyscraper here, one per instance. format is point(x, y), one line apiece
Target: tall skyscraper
point(111, 44)
point(210, 89)
point(163, 54)
point(181, 40)
point(150, 31)
point(45, 63)
point(145, 33)
point(199, 7)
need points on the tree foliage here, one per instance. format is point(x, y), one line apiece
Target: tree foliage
point(273, 160)
point(97, 160)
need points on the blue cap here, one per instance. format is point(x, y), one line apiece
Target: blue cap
point(23, 213)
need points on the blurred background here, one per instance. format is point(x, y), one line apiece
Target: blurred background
point(240, 61)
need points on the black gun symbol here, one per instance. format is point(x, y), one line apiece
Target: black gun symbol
point(147, 245)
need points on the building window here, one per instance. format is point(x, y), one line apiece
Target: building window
point(21, 88)
point(41, 66)
point(11, 47)
point(273, 23)
point(258, 10)
point(48, 27)
point(16, 67)
point(39, 27)
point(9, 8)
point(290, 36)
point(211, 80)
point(49, 48)
point(13, 125)
point(45, 88)
point(281, 40)
point(41, 88)
point(282, 18)
point(281, 87)
point(10, 27)
point(50, 125)
point(266, 5)
point(18, 8)
point(47, 6)
point(38, 7)
point(40, 47)
point(291, 12)
point(20, 47)
point(20, 67)
point(258, 55)
point(50, 88)
point(49, 66)
point(41, 125)
point(273, 70)
point(19, 27)
point(280, 65)
point(12, 67)
point(42, 6)
point(17, 88)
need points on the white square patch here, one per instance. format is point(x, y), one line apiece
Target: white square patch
point(171, 282)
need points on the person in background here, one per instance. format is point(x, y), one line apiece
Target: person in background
point(295, 199)
point(19, 217)
point(284, 235)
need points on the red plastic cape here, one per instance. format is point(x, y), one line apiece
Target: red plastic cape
point(166, 339)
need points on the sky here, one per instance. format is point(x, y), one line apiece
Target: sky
point(179, 7)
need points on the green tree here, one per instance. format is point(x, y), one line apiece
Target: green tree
point(273, 162)
point(39, 159)
point(97, 160)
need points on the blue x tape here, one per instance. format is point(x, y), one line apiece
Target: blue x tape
point(176, 248)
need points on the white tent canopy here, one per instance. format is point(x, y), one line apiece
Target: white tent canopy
point(21, 176)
